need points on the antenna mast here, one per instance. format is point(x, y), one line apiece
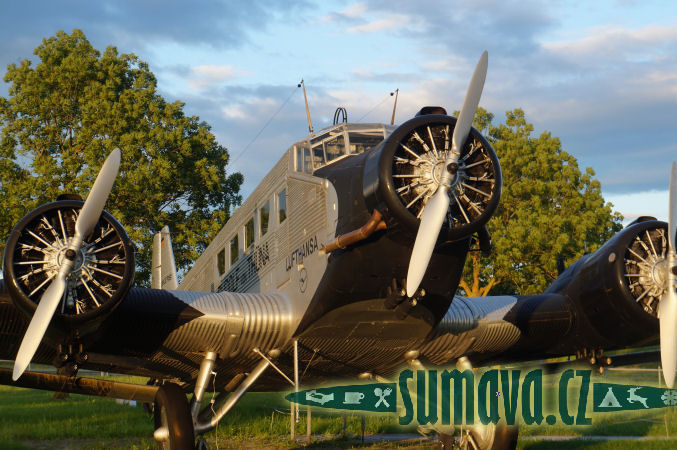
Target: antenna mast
point(310, 124)
point(392, 120)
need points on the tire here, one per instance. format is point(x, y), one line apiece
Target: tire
point(493, 437)
point(172, 411)
point(505, 437)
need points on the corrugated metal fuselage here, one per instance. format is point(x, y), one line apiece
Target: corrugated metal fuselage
point(264, 282)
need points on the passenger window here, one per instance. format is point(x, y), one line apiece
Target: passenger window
point(249, 233)
point(264, 214)
point(234, 250)
point(221, 261)
point(282, 205)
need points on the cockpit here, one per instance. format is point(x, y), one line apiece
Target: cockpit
point(336, 142)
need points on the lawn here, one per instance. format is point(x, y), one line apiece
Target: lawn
point(35, 419)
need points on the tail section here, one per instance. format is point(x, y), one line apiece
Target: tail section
point(164, 268)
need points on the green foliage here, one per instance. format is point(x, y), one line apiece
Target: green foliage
point(64, 115)
point(549, 209)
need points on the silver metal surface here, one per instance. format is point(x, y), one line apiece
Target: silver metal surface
point(258, 352)
point(233, 324)
point(646, 269)
point(201, 383)
point(472, 325)
point(205, 426)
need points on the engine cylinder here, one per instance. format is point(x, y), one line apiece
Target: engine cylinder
point(404, 171)
point(618, 288)
point(102, 274)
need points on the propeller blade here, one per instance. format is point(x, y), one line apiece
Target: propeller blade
point(668, 313)
point(470, 104)
point(668, 305)
point(431, 223)
point(96, 200)
point(672, 214)
point(436, 207)
point(89, 216)
point(36, 329)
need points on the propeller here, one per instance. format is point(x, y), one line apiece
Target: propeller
point(87, 220)
point(436, 207)
point(668, 304)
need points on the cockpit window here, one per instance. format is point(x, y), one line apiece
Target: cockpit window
point(335, 147)
point(335, 142)
point(307, 162)
point(303, 161)
point(299, 159)
point(318, 156)
point(364, 140)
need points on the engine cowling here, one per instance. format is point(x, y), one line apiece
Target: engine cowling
point(618, 288)
point(104, 268)
point(404, 171)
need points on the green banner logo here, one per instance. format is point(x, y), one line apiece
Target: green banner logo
point(378, 397)
point(620, 397)
point(429, 397)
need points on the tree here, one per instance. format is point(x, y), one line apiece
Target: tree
point(64, 115)
point(548, 210)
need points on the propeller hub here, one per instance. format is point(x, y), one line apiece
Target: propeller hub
point(659, 274)
point(438, 171)
point(70, 254)
point(653, 276)
point(64, 255)
point(431, 172)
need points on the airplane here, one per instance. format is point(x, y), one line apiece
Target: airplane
point(346, 258)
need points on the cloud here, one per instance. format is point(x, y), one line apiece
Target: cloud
point(640, 204)
point(207, 76)
point(360, 18)
point(607, 88)
point(349, 14)
point(468, 28)
point(138, 26)
point(366, 74)
point(611, 42)
point(394, 21)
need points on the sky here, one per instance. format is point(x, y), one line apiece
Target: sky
point(601, 76)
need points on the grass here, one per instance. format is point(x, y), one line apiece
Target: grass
point(31, 418)
point(597, 445)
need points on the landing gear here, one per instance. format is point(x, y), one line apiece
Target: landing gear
point(490, 437)
point(173, 423)
point(482, 437)
point(505, 437)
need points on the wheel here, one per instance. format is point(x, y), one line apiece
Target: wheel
point(490, 437)
point(505, 437)
point(173, 423)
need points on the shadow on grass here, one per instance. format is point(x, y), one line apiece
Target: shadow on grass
point(597, 445)
point(12, 446)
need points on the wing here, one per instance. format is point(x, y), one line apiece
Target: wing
point(607, 300)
